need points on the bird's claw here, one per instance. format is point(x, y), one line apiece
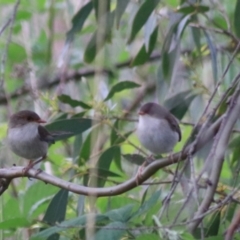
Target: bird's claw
point(38, 171)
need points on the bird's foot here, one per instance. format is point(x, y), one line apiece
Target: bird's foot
point(38, 171)
point(170, 156)
point(26, 169)
point(148, 160)
point(139, 174)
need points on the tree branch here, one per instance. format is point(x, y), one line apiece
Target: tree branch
point(70, 76)
point(217, 155)
point(15, 171)
point(233, 227)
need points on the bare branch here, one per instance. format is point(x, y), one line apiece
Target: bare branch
point(217, 155)
point(233, 226)
point(15, 172)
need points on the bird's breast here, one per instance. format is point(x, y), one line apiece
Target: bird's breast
point(25, 142)
point(156, 135)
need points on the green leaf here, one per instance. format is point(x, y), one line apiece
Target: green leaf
point(187, 236)
point(115, 138)
point(193, 9)
point(86, 149)
point(23, 15)
point(123, 138)
point(8, 1)
point(14, 223)
point(174, 34)
point(49, 232)
point(143, 55)
point(148, 204)
point(79, 19)
point(213, 53)
point(220, 237)
point(235, 142)
point(148, 236)
point(117, 158)
point(105, 161)
point(11, 209)
point(237, 18)
point(56, 211)
point(196, 33)
point(179, 103)
point(114, 230)
point(57, 208)
point(103, 173)
point(72, 127)
point(72, 223)
point(98, 39)
point(121, 7)
point(141, 17)
point(122, 214)
point(82, 220)
point(231, 210)
point(106, 158)
point(213, 224)
point(35, 195)
point(114, 133)
point(103, 10)
point(39, 49)
point(77, 145)
point(72, 102)
point(16, 53)
point(120, 87)
point(135, 158)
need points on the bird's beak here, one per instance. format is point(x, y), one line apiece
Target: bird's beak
point(141, 113)
point(41, 121)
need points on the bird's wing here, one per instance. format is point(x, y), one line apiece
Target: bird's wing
point(45, 135)
point(174, 125)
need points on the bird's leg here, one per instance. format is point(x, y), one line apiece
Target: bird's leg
point(148, 160)
point(39, 160)
point(170, 156)
point(31, 164)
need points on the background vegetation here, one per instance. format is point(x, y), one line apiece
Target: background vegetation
point(86, 67)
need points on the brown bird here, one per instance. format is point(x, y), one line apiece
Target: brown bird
point(27, 138)
point(157, 130)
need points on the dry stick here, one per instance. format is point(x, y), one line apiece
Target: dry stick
point(5, 25)
point(197, 180)
point(173, 188)
point(76, 75)
point(234, 225)
point(205, 126)
point(191, 149)
point(206, 123)
point(217, 153)
point(214, 93)
point(235, 181)
point(228, 199)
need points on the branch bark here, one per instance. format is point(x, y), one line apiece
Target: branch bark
point(217, 156)
point(72, 75)
point(233, 227)
point(16, 171)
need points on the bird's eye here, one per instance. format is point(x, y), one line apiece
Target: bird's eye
point(29, 118)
